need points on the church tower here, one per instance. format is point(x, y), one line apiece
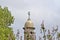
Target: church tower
point(29, 33)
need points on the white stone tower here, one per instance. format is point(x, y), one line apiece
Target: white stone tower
point(29, 33)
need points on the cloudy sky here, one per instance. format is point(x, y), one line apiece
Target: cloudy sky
point(47, 10)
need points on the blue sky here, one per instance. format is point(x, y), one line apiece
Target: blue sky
point(47, 10)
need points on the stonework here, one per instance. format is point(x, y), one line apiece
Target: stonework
point(29, 33)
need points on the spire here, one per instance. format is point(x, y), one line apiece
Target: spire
point(21, 38)
point(42, 25)
point(39, 38)
point(49, 32)
point(29, 15)
point(17, 35)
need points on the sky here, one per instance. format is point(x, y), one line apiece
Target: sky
point(47, 10)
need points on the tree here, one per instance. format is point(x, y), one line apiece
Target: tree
point(6, 19)
point(58, 36)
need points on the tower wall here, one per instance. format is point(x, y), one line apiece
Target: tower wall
point(29, 34)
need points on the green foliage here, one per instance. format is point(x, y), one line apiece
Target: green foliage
point(6, 19)
point(58, 35)
point(49, 36)
point(6, 33)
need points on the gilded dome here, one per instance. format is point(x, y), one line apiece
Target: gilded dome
point(29, 23)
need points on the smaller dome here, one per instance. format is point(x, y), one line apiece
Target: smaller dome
point(29, 23)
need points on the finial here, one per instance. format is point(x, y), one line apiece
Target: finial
point(42, 21)
point(28, 15)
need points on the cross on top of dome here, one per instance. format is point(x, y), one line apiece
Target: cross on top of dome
point(29, 15)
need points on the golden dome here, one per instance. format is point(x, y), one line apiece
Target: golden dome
point(29, 23)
